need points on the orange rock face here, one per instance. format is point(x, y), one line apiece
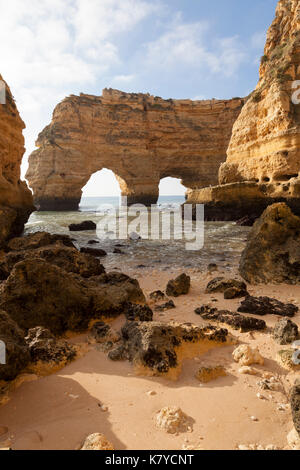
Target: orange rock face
point(265, 143)
point(15, 198)
point(139, 137)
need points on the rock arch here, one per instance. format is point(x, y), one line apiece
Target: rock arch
point(141, 138)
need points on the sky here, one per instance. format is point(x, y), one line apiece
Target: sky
point(194, 49)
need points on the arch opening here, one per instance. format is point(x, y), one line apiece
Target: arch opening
point(171, 190)
point(102, 185)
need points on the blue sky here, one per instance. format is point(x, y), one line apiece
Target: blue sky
point(171, 48)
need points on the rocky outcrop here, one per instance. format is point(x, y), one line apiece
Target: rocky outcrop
point(83, 226)
point(17, 351)
point(179, 286)
point(153, 346)
point(263, 157)
point(139, 137)
point(67, 258)
point(265, 141)
point(285, 332)
point(221, 284)
point(266, 306)
point(44, 347)
point(233, 319)
point(16, 202)
point(272, 253)
point(38, 240)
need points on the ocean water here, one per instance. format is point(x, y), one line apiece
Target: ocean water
point(223, 241)
point(90, 204)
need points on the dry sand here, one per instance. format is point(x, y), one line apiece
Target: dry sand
point(59, 411)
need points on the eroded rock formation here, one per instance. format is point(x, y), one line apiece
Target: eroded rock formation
point(139, 137)
point(263, 158)
point(55, 292)
point(153, 347)
point(272, 253)
point(15, 198)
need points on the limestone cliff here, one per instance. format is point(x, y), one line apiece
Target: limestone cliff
point(139, 137)
point(15, 198)
point(263, 158)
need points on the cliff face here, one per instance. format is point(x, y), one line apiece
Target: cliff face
point(139, 137)
point(263, 158)
point(16, 202)
point(265, 143)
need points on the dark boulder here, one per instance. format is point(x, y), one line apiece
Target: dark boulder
point(267, 306)
point(97, 252)
point(67, 258)
point(233, 319)
point(221, 284)
point(285, 332)
point(17, 354)
point(179, 286)
point(111, 293)
point(83, 226)
point(272, 253)
point(39, 294)
point(38, 240)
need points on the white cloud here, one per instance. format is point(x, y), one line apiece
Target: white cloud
point(189, 44)
point(123, 78)
point(50, 47)
point(97, 20)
